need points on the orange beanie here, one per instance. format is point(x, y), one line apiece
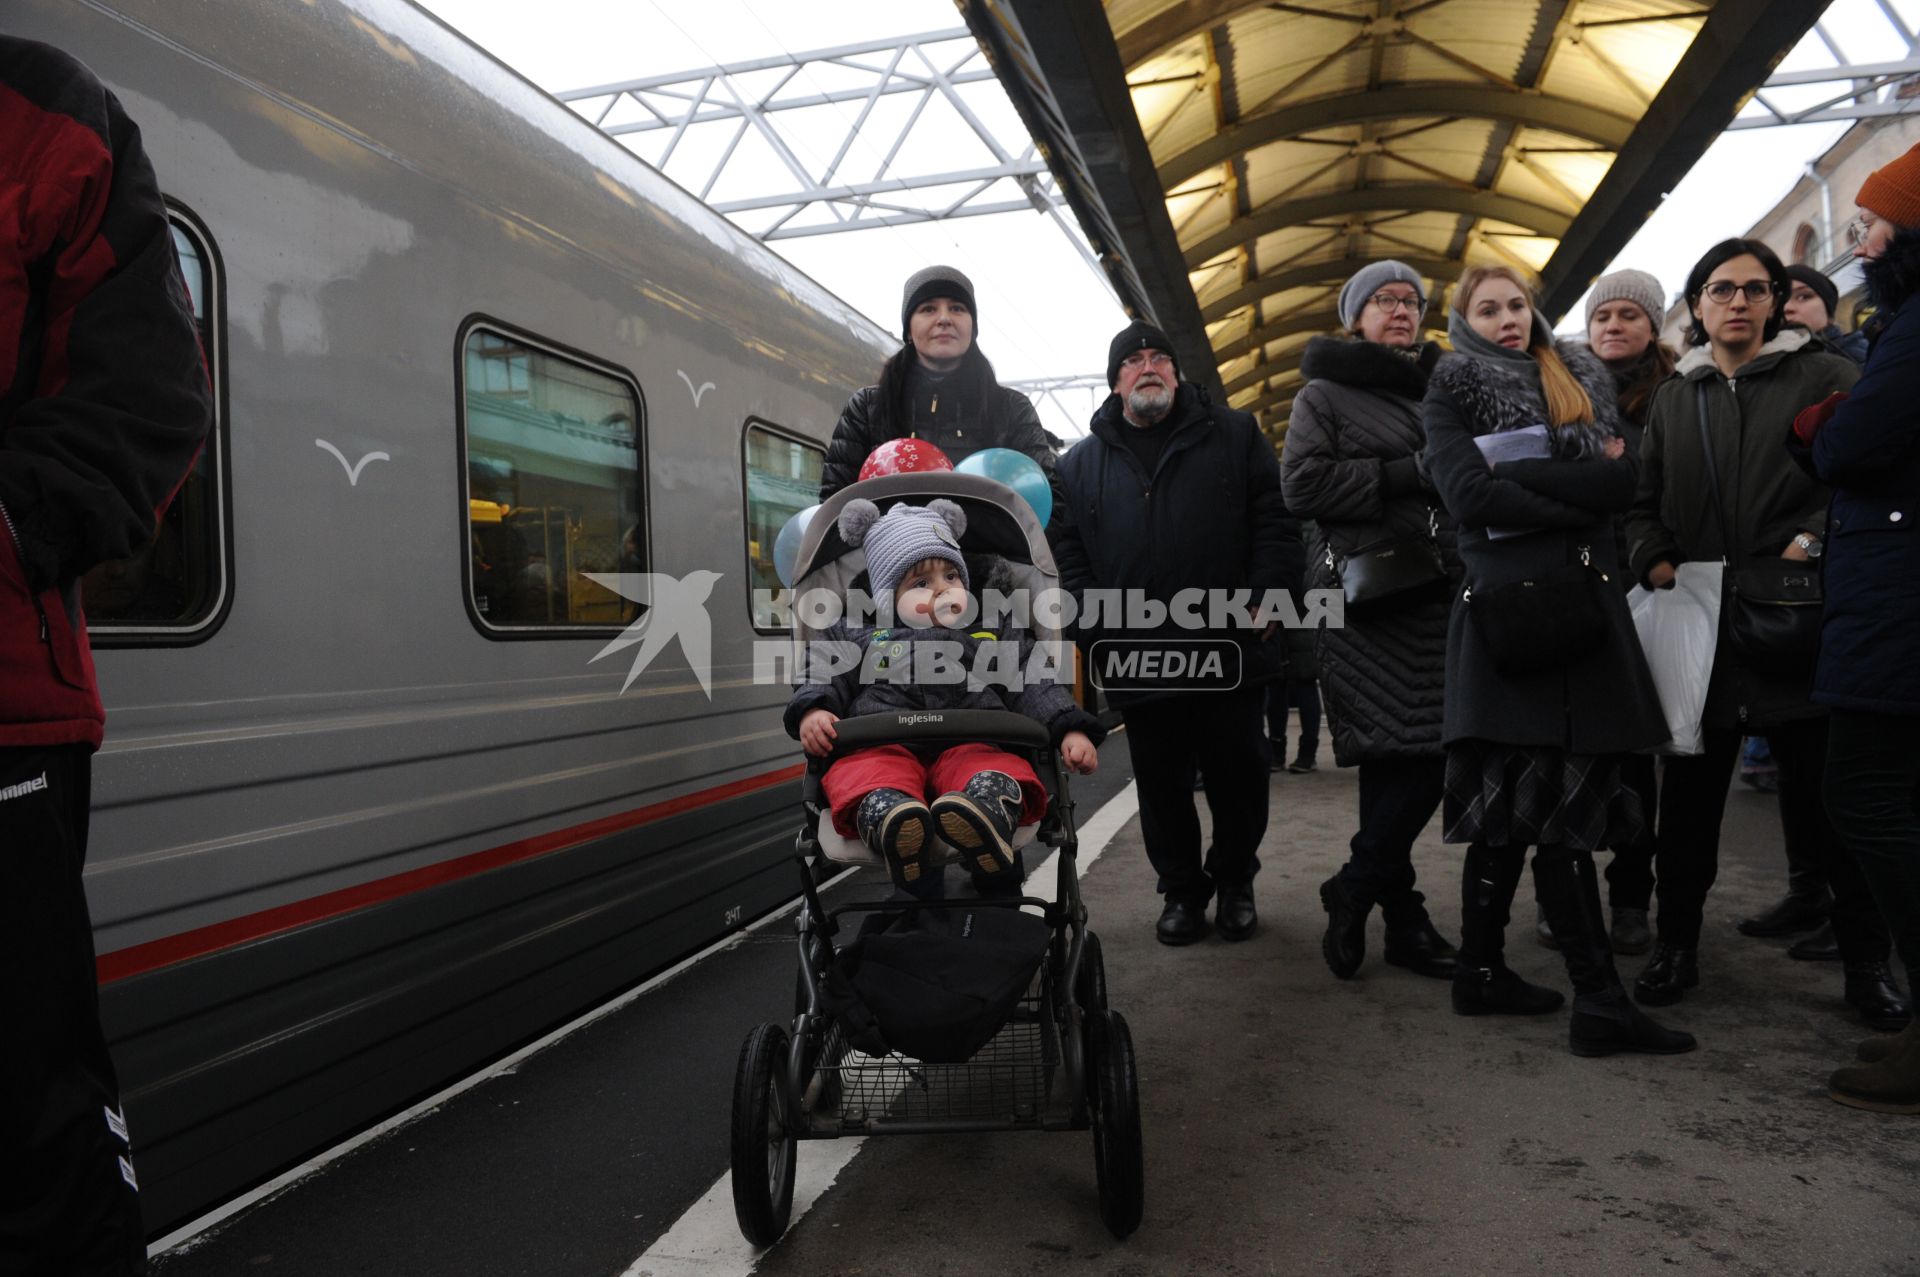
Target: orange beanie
point(1892, 191)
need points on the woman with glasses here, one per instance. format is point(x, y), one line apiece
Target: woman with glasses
point(1741, 382)
point(1868, 448)
point(1546, 687)
point(937, 387)
point(1352, 464)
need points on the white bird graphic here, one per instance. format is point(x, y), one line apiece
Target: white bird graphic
point(676, 607)
point(353, 470)
point(699, 394)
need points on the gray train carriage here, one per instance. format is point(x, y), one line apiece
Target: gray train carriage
point(367, 814)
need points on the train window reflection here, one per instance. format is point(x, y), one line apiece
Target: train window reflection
point(783, 478)
point(554, 484)
point(173, 586)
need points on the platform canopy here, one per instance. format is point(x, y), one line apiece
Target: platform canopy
point(1233, 163)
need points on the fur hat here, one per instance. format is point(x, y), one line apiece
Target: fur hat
point(1139, 335)
point(1635, 286)
point(906, 534)
point(935, 281)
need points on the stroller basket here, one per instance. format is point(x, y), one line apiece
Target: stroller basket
point(1006, 1085)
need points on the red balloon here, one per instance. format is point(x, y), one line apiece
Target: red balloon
point(904, 456)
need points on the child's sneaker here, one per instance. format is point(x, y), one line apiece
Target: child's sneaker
point(980, 821)
point(897, 826)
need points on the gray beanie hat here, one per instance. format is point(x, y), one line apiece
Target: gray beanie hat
point(1366, 282)
point(1635, 286)
point(935, 281)
point(902, 537)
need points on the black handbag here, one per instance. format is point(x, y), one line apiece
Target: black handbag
point(1770, 611)
point(1544, 623)
point(1391, 574)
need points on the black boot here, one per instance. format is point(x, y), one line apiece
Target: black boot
point(1345, 944)
point(1482, 984)
point(1412, 941)
point(1794, 912)
point(1821, 946)
point(1669, 973)
point(1872, 992)
point(1630, 932)
point(1605, 1021)
point(1303, 761)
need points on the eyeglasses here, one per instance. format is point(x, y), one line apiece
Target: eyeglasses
point(1390, 302)
point(1860, 227)
point(1142, 358)
point(1756, 290)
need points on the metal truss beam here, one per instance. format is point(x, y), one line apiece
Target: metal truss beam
point(929, 66)
point(1872, 90)
point(1435, 268)
point(1414, 198)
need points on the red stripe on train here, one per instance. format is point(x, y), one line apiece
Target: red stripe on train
point(142, 958)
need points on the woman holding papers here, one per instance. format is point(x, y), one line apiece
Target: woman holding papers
point(1745, 503)
point(1546, 687)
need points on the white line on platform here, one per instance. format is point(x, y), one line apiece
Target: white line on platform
point(228, 1210)
point(706, 1242)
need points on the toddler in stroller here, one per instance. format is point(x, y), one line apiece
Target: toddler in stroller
point(894, 797)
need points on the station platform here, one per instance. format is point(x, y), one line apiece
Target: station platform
point(1293, 1123)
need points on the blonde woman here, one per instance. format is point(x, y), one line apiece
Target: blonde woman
point(1546, 687)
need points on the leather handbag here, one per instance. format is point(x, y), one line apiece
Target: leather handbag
point(1543, 623)
point(1771, 610)
point(1391, 574)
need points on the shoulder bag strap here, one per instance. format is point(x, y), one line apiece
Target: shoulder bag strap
point(1713, 472)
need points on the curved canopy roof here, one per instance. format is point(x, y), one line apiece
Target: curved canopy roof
point(1286, 144)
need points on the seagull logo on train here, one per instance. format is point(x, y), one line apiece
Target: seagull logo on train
point(673, 607)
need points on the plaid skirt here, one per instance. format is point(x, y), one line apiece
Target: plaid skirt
point(1524, 795)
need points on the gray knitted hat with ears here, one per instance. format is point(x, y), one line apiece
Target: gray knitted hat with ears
point(902, 537)
point(1366, 281)
point(1635, 286)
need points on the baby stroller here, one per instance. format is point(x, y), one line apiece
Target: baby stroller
point(1055, 1059)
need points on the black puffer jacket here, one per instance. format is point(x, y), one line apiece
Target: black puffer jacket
point(1766, 498)
point(1210, 516)
point(945, 415)
point(1352, 463)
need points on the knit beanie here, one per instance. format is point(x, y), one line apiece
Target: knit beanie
point(935, 281)
point(1818, 283)
point(1635, 286)
point(902, 537)
point(1355, 294)
point(1892, 191)
point(1139, 335)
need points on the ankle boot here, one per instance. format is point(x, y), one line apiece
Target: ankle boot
point(1605, 1021)
point(1630, 932)
point(1871, 991)
point(979, 819)
point(897, 826)
point(1892, 1085)
point(1345, 944)
point(1303, 761)
point(1412, 941)
point(1669, 973)
point(1495, 990)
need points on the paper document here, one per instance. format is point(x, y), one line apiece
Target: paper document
point(1528, 444)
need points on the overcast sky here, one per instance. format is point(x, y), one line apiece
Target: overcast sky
point(1043, 310)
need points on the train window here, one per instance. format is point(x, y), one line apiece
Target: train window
point(554, 485)
point(173, 587)
point(783, 478)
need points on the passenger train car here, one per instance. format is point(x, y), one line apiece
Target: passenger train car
point(368, 814)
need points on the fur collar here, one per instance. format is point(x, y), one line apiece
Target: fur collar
point(1498, 394)
point(1367, 365)
point(1699, 359)
point(1895, 276)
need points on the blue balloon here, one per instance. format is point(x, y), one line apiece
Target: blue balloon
point(786, 546)
point(1018, 471)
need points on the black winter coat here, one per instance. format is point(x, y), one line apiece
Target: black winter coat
point(1766, 498)
point(1352, 465)
point(1870, 453)
point(1210, 516)
point(1603, 702)
point(943, 416)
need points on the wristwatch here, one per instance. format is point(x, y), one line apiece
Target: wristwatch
point(1809, 545)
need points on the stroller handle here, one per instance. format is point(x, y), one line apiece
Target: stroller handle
point(934, 726)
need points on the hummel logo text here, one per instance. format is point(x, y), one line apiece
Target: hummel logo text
point(24, 788)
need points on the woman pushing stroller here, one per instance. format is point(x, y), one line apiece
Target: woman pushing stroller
point(894, 797)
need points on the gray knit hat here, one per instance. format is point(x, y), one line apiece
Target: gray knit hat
point(1367, 281)
point(935, 281)
point(902, 537)
point(1635, 286)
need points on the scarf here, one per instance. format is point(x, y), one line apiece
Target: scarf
point(1575, 441)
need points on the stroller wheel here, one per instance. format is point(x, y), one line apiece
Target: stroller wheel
point(764, 1148)
point(1114, 1091)
point(1090, 990)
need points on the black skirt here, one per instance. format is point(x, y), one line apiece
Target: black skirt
point(1520, 795)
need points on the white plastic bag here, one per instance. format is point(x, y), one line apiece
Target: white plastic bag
point(1679, 629)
